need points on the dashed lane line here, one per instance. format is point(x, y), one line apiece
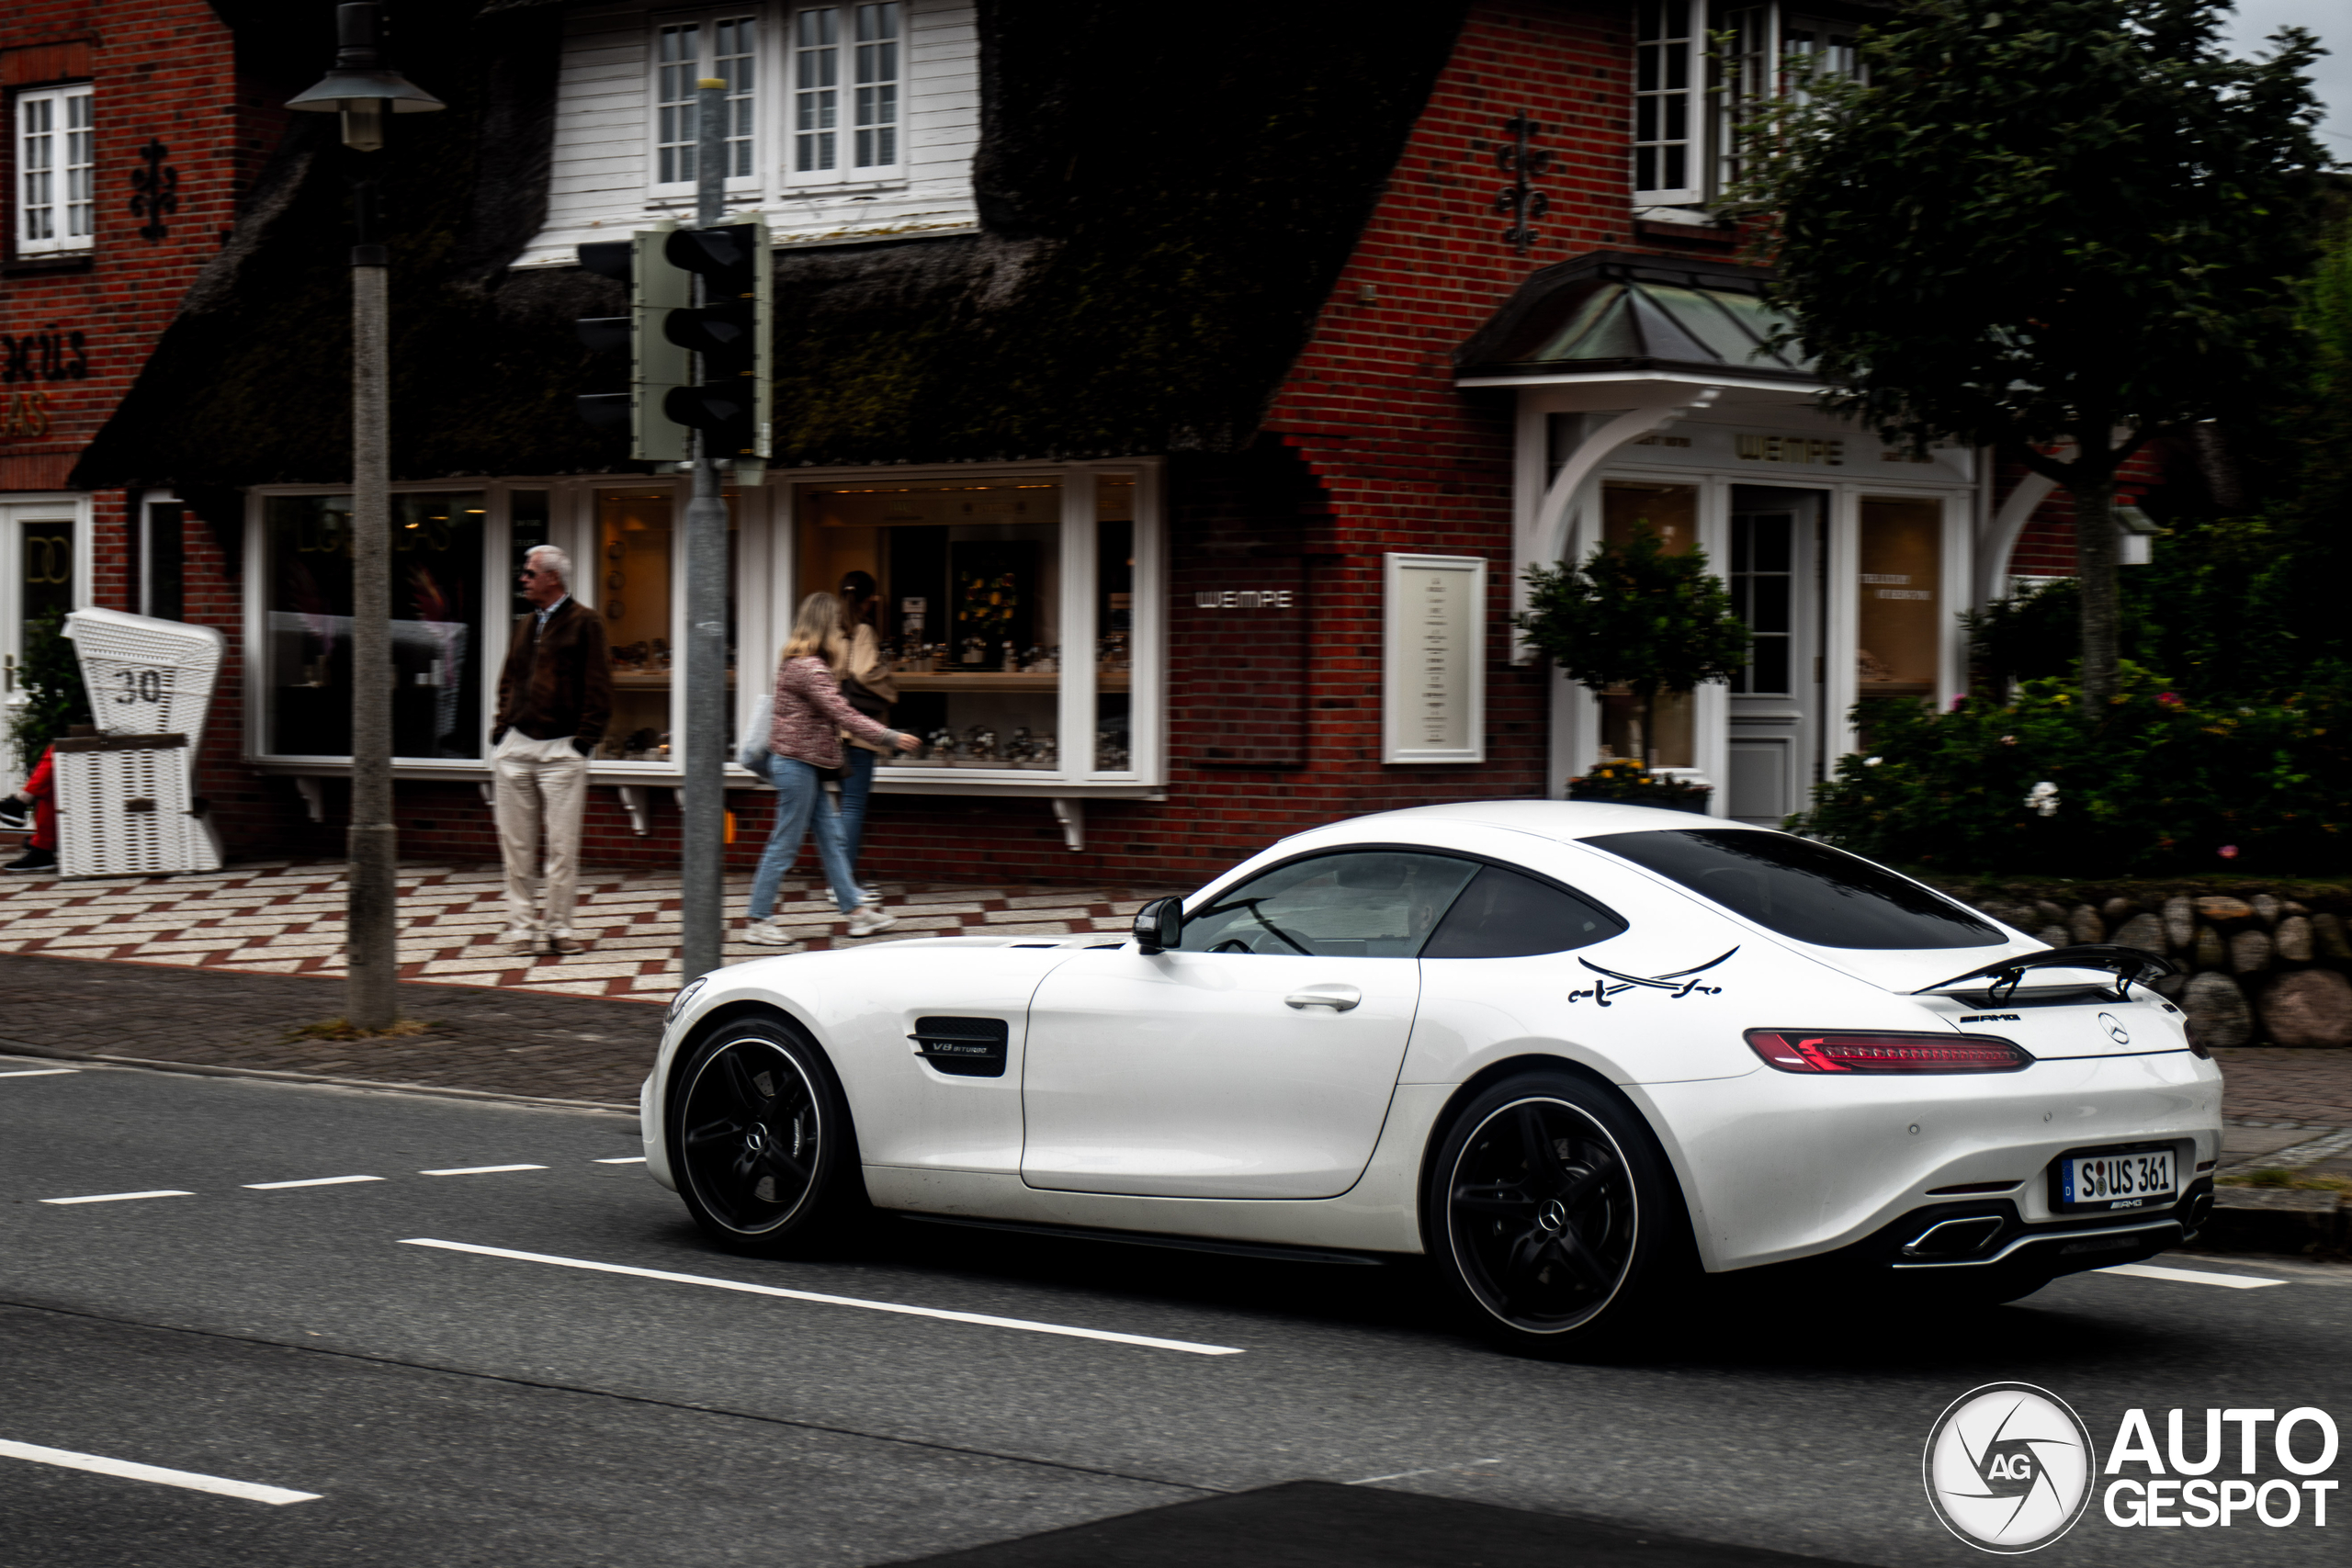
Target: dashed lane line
point(983, 1319)
point(2190, 1276)
point(96, 1464)
point(623, 1160)
point(307, 1181)
point(42, 1073)
point(479, 1169)
point(122, 1197)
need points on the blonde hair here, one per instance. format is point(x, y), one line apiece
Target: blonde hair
point(817, 630)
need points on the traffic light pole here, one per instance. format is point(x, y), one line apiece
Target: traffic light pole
point(371, 936)
point(702, 880)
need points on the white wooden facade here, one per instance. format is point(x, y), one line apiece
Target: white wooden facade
point(603, 180)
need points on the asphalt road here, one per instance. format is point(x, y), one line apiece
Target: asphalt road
point(450, 1406)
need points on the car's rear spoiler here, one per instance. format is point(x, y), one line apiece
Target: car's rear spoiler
point(2126, 963)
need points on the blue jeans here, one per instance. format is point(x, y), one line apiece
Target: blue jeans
point(857, 782)
point(800, 807)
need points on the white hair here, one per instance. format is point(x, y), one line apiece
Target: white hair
point(557, 561)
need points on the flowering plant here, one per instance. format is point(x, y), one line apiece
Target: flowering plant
point(2152, 783)
point(1627, 781)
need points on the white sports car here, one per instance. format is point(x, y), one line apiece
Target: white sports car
point(1571, 1052)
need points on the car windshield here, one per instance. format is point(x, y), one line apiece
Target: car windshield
point(1801, 889)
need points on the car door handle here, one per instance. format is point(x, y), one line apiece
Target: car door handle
point(1339, 998)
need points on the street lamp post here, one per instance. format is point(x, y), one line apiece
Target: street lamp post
point(364, 92)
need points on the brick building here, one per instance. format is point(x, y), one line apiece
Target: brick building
point(135, 131)
point(1246, 376)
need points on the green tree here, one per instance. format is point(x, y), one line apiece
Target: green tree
point(2056, 230)
point(1636, 616)
point(50, 678)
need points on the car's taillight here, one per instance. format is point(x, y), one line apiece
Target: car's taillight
point(1854, 1051)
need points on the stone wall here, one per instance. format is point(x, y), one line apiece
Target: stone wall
point(2256, 968)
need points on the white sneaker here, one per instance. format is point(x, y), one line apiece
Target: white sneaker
point(865, 920)
point(770, 932)
point(871, 897)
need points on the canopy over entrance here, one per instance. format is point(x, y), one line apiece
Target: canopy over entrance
point(1610, 313)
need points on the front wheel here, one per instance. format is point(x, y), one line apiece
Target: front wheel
point(761, 1141)
point(1554, 1217)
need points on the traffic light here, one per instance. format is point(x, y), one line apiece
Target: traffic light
point(730, 330)
point(658, 366)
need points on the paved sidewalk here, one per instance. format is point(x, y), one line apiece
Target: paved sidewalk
point(285, 918)
point(518, 1041)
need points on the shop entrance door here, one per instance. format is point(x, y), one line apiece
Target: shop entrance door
point(1776, 556)
point(36, 582)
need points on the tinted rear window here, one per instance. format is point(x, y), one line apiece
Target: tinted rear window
point(1801, 889)
point(1505, 915)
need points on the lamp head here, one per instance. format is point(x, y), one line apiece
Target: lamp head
point(361, 87)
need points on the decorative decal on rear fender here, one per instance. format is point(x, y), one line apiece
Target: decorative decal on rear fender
point(1674, 983)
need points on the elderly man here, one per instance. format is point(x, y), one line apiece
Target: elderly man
point(555, 696)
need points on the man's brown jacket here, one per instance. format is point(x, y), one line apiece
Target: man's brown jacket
point(557, 682)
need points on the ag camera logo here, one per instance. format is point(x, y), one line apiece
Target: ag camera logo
point(2009, 1468)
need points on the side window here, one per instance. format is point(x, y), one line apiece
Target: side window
point(1505, 915)
point(56, 170)
point(1369, 904)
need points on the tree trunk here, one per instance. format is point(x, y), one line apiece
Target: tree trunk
point(1647, 748)
point(2095, 551)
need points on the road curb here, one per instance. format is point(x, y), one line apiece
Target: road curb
point(212, 1070)
point(2274, 1219)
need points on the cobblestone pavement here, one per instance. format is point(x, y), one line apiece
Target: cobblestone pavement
point(503, 1041)
point(285, 918)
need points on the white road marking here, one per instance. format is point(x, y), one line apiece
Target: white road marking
point(1433, 1470)
point(984, 1319)
point(2191, 1275)
point(624, 1159)
point(65, 1458)
point(479, 1169)
point(313, 1181)
point(40, 1073)
point(121, 1197)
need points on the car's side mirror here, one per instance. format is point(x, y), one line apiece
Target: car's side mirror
point(1159, 925)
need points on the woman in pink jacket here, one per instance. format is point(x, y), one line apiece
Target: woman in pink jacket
point(804, 741)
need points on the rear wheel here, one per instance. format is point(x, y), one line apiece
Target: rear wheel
point(1554, 1216)
point(761, 1142)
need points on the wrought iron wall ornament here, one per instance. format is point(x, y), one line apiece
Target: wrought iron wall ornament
point(1523, 163)
point(158, 186)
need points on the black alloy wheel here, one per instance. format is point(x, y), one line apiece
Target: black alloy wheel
point(759, 1138)
point(1554, 1216)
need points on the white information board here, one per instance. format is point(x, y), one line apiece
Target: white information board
point(1433, 670)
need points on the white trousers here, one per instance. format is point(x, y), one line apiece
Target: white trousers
point(539, 786)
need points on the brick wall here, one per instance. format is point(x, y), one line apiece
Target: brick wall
point(2045, 546)
point(163, 73)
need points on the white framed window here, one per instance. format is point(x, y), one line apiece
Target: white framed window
point(846, 122)
point(720, 44)
point(1701, 71)
point(1667, 125)
point(56, 170)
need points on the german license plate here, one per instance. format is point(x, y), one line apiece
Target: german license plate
point(2141, 1180)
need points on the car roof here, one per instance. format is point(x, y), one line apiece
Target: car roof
point(1561, 819)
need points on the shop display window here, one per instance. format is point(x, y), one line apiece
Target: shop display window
point(969, 577)
point(1900, 623)
point(436, 606)
point(1115, 623)
point(1671, 512)
point(635, 571)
